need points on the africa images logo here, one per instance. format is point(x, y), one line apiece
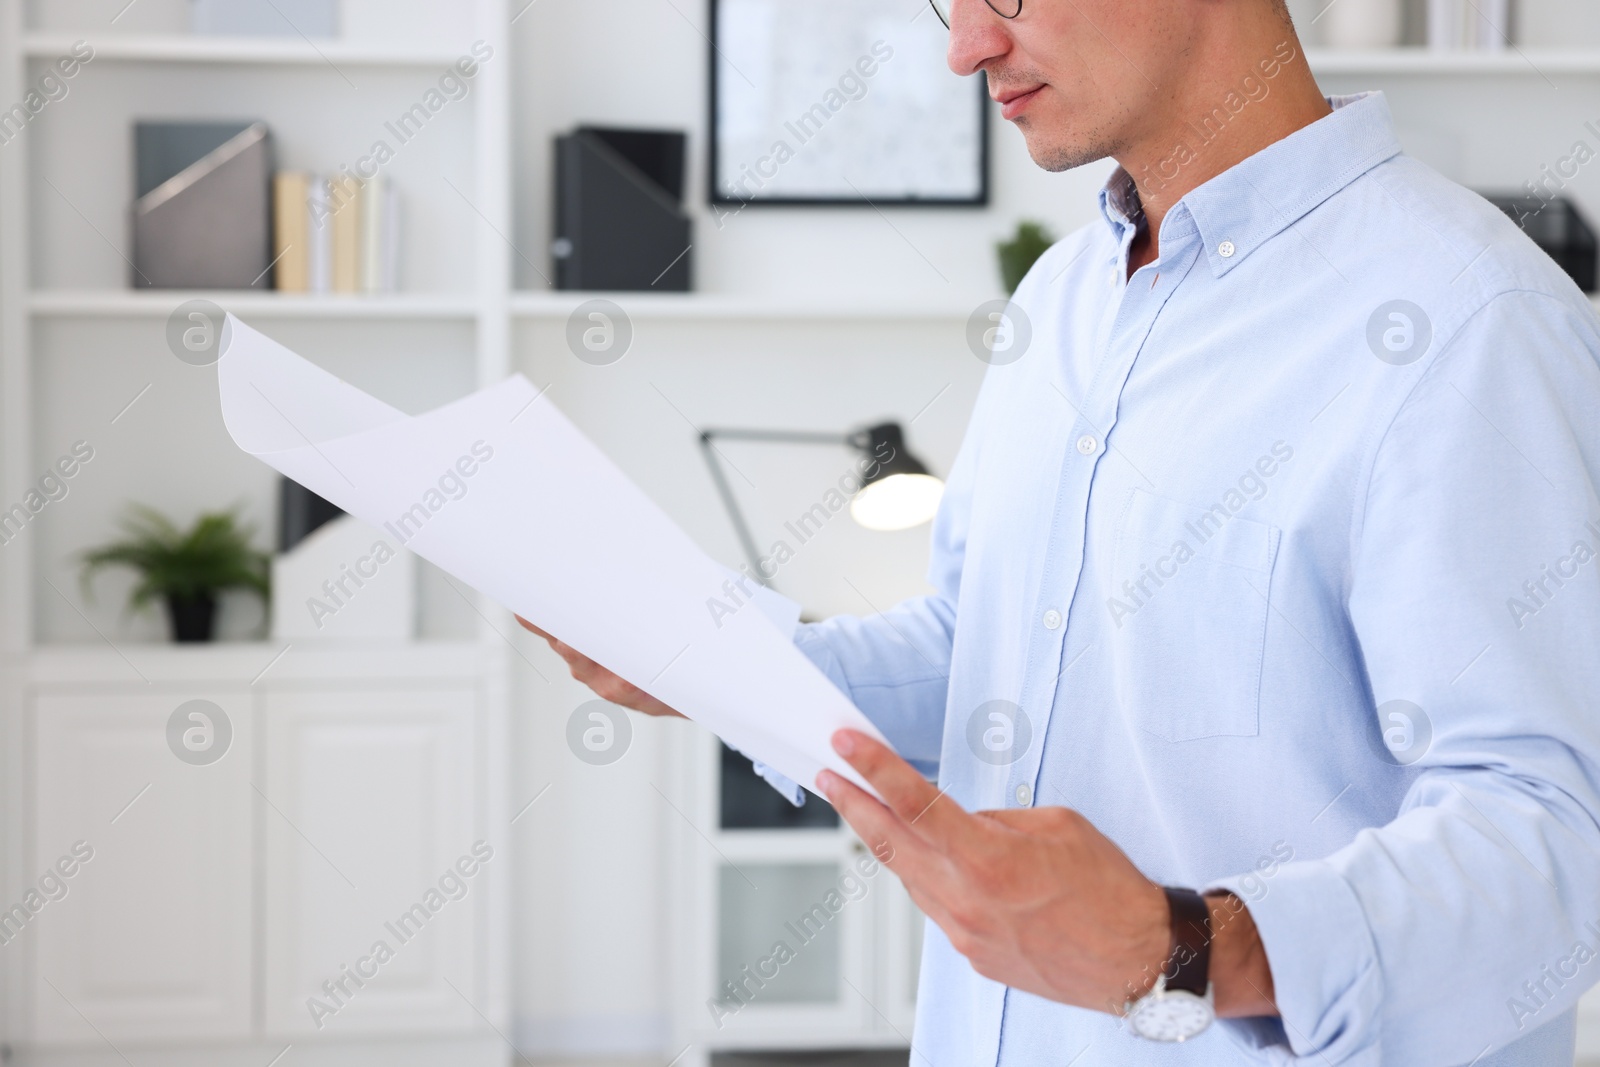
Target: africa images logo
point(199, 732)
point(598, 732)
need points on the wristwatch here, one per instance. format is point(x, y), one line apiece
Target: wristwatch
point(1179, 1006)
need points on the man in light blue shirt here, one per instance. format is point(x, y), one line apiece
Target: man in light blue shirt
point(1269, 568)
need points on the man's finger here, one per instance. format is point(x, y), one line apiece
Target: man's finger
point(572, 656)
point(531, 628)
point(919, 804)
point(895, 844)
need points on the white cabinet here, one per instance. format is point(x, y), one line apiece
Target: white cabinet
point(374, 889)
point(232, 875)
point(151, 936)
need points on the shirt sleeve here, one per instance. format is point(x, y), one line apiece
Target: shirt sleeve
point(1471, 919)
point(895, 667)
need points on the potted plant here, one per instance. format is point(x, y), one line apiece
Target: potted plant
point(185, 568)
point(1031, 241)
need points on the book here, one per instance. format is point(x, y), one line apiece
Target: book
point(291, 249)
point(391, 239)
point(336, 234)
point(344, 196)
point(1446, 24)
point(1491, 23)
point(373, 232)
point(319, 236)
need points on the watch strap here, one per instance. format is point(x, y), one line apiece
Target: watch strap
point(1189, 966)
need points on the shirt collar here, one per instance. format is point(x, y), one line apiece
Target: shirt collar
point(1253, 201)
point(1119, 202)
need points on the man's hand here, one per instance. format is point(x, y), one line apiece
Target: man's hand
point(1036, 898)
point(606, 686)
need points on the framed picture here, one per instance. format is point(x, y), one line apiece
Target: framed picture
point(842, 102)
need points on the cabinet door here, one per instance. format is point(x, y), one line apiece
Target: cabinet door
point(150, 938)
point(370, 805)
point(792, 941)
point(775, 947)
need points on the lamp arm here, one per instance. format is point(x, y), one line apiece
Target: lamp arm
point(724, 490)
point(801, 437)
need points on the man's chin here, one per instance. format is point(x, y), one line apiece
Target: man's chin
point(1054, 155)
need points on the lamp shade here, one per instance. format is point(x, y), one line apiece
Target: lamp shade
point(897, 492)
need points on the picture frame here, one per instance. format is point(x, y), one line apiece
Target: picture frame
point(841, 103)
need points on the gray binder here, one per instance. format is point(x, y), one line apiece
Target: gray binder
point(207, 224)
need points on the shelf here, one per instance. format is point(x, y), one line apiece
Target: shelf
point(182, 48)
point(1518, 61)
point(726, 307)
point(121, 303)
point(708, 307)
point(243, 663)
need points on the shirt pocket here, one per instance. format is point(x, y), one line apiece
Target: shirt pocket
point(1189, 597)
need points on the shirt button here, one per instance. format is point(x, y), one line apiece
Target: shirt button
point(1225, 250)
point(1024, 795)
point(1052, 619)
point(1087, 444)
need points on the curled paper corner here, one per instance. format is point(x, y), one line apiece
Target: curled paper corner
point(274, 401)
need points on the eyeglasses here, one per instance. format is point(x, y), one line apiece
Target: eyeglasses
point(1006, 9)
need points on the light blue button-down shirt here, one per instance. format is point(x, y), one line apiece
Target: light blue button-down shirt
point(1285, 548)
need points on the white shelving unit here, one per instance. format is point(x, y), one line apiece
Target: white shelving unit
point(356, 774)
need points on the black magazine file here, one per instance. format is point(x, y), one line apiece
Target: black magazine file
point(300, 511)
point(620, 223)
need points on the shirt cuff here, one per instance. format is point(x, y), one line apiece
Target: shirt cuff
point(780, 609)
point(1324, 964)
point(785, 786)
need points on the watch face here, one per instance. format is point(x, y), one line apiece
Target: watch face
point(1170, 1015)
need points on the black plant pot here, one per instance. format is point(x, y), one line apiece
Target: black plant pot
point(192, 617)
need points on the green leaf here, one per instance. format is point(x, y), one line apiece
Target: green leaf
point(1021, 252)
point(212, 556)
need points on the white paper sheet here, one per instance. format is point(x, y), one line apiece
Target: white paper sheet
point(501, 491)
